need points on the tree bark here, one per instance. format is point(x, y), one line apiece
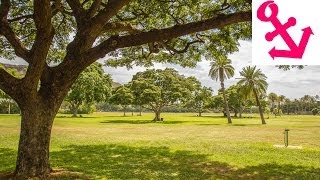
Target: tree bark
point(259, 105)
point(225, 99)
point(157, 115)
point(33, 150)
point(74, 109)
point(75, 112)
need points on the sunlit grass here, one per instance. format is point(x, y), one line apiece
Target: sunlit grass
point(184, 146)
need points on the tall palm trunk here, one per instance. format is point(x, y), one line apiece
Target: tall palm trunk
point(226, 106)
point(259, 105)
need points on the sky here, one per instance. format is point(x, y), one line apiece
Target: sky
point(293, 84)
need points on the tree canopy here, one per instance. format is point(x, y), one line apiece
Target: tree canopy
point(92, 86)
point(159, 88)
point(201, 99)
point(122, 95)
point(254, 83)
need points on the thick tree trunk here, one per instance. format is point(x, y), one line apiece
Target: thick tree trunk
point(259, 105)
point(75, 109)
point(157, 116)
point(200, 113)
point(33, 151)
point(74, 112)
point(225, 101)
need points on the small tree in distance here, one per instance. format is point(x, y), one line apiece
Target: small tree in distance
point(201, 99)
point(122, 96)
point(156, 89)
point(315, 111)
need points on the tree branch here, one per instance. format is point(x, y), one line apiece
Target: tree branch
point(110, 10)
point(41, 45)
point(116, 42)
point(169, 48)
point(28, 16)
point(9, 84)
point(9, 34)
point(89, 31)
point(120, 27)
point(94, 8)
point(78, 10)
point(4, 9)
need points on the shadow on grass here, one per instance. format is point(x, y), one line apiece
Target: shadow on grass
point(144, 122)
point(223, 117)
point(210, 124)
point(251, 125)
point(78, 117)
point(204, 116)
point(7, 159)
point(126, 162)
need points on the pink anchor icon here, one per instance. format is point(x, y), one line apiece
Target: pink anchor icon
point(296, 51)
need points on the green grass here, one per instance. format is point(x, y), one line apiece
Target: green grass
point(184, 146)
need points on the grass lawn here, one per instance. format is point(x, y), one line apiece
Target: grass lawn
point(184, 146)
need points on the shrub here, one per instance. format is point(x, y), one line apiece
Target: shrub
point(315, 111)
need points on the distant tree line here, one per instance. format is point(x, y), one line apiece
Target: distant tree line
point(167, 91)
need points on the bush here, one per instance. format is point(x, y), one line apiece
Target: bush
point(4, 108)
point(315, 111)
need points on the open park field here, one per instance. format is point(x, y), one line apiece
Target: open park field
point(184, 146)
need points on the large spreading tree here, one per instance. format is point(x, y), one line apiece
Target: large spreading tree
point(158, 88)
point(60, 38)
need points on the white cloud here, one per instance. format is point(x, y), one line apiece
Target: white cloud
point(293, 84)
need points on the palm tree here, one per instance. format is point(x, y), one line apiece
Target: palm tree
point(281, 99)
point(254, 83)
point(273, 98)
point(222, 69)
point(288, 103)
